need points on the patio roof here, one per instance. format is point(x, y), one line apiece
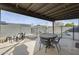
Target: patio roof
point(47, 11)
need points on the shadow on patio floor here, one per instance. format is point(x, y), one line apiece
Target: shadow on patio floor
point(20, 50)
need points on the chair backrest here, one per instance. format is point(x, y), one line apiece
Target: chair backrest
point(57, 39)
point(43, 41)
point(8, 38)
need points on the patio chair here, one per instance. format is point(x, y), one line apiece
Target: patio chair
point(56, 42)
point(44, 42)
point(9, 38)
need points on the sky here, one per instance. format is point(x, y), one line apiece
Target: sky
point(11, 17)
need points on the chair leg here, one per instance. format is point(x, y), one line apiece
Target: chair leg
point(57, 48)
point(46, 49)
point(40, 47)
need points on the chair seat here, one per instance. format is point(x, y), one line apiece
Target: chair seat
point(55, 42)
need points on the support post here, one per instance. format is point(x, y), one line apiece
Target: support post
point(53, 26)
point(0, 22)
point(73, 32)
point(78, 27)
point(61, 31)
point(31, 29)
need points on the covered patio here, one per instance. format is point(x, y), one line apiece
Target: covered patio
point(51, 12)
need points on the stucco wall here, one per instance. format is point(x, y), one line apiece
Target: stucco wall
point(13, 29)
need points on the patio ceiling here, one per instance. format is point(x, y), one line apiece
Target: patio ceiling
point(47, 11)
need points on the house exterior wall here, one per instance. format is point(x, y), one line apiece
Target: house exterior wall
point(13, 29)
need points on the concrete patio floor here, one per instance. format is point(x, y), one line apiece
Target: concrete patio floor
point(67, 48)
point(31, 47)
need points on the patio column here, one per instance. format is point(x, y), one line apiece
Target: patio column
point(0, 21)
point(61, 31)
point(31, 29)
point(78, 27)
point(73, 32)
point(53, 26)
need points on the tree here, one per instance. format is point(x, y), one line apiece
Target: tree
point(69, 25)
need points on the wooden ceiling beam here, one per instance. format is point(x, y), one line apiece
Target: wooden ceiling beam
point(41, 7)
point(64, 10)
point(71, 15)
point(49, 8)
point(29, 7)
point(56, 8)
point(67, 12)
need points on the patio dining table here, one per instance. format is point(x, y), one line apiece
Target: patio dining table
point(49, 37)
